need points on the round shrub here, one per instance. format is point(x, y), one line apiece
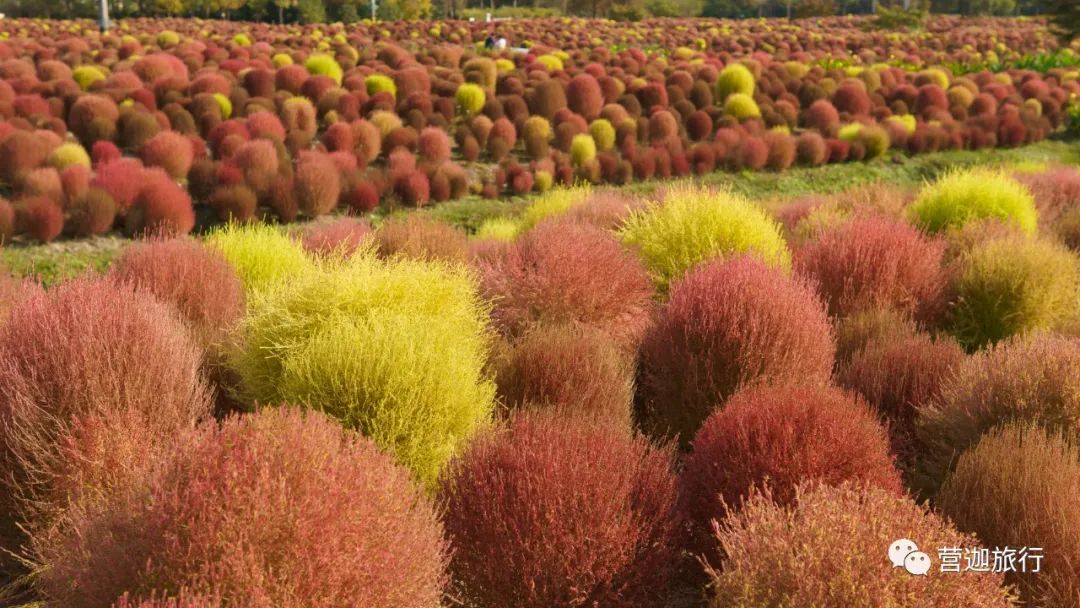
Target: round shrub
point(182, 600)
point(261, 254)
point(899, 376)
point(603, 134)
point(564, 273)
point(964, 196)
point(810, 149)
point(1011, 285)
point(470, 98)
point(276, 507)
point(734, 79)
point(323, 65)
point(434, 145)
point(195, 279)
point(579, 371)
point(69, 154)
point(20, 152)
point(39, 217)
point(692, 224)
point(729, 324)
point(773, 554)
point(394, 349)
point(870, 262)
point(556, 512)
point(582, 149)
point(584, 96)
point(1036, 379)
point(317, 184)
point(421, 237)
point(121, 179)
point(775, 439)
point(741, 107)
point(1020, 487)
point(856, 332)
point(162, 207)
point(234, 203)
point(342, 237)
point(380, 83)
point(169, 150)
point(95, 377)
point(91, 214)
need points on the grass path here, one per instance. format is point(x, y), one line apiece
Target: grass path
point(63, 259)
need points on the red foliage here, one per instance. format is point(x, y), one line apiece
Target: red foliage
point(557, 512)
point(569, 273)
point(874, 261)
point(851, 97)
point(729, 324)
point(434, 145)
point(161, 207)
point(777, 438)
point(171, 151)
point(421, 237)
point(342, 236)
point(20, 152)
point(276, 508)
point(122, 179)
point(234, 203)
point(899, 376)
point(580, 372)
point(781, 151)
point(317, 184)
point(823, 116)
point(196, 280)
point(94, 378)
point(40, 217)
point(7, 221)
point(584, 96)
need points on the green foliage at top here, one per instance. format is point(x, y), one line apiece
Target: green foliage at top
point(963, 196)
point(735, 78)
point(395, 349)
point(470, 98)
point(897, 18)
point(1012, 286)
point(498, 229)
point(324, 65)
point(553, 203)
point(378, 83)
point(694, 224)
point(261, 254)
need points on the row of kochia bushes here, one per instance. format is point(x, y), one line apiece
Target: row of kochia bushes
point(152, 130)
point(554, 411)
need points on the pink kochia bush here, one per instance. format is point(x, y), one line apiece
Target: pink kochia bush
point(564, 272)
point(342, 236)
point(777, 438)
point(871, 262)
point(557, 512)
point(830, 549)
point(277, 508)
point(729, 324)
point(196, 280)
point(95, 377)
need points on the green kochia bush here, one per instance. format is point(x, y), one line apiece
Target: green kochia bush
point(693, 224)
point(1011, 286)
point(960, 197)
point(393, 348)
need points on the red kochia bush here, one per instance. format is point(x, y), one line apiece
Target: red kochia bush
point(40, 217)
point(94, 377)
point(196, 280)
point(871, 262)
point(317, 184)
point(183, 600)
point(162, 207)
point(343, 236)
point(562, 272)
point(277, 508)
point(434, 145)
point(777, 438)
point(421, 237)
point(729, 324)
point(899, 376)
point(557, 512)
point(584, 97)
point(581, 372)
point(121, 178)
point(171, 151)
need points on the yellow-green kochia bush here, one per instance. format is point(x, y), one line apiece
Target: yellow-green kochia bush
point(261, 254)
point(393, 348)
point(1013, 285)
point(694, 224)
point(964, 196)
